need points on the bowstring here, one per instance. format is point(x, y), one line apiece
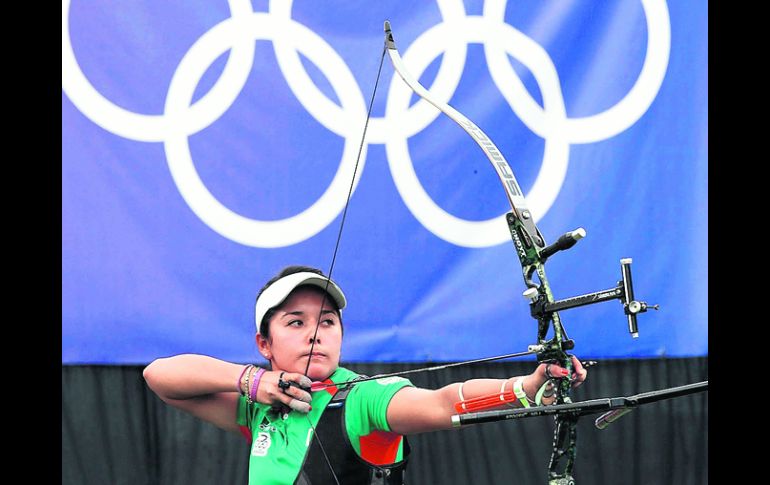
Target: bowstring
point(336, 248)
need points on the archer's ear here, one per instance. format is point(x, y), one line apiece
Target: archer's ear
point(264, 347)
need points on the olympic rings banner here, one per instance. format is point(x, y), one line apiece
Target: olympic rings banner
point(206, 145)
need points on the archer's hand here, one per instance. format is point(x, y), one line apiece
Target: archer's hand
point(539, 376)
point(293, 396)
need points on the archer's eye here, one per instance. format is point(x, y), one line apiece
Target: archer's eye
point(296, 323)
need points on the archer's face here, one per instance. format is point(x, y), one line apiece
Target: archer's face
point(291, 335)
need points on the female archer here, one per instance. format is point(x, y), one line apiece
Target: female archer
point(305, 427)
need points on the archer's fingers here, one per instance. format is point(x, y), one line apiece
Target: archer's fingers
point(270, 391)
point(299, 394)
point(300, 406)
point(580, 373)
point(301, 380)
point(296, 404)
point(553, 370)
point(295, 390)
point(295, 398)
point(576, 364)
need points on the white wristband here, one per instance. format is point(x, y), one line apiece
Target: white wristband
point(518, 389)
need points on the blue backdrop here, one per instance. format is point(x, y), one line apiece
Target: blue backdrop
point(206, 145)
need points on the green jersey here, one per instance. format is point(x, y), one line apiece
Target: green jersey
point(279, 441)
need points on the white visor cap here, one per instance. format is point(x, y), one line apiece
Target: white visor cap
point(276, 293)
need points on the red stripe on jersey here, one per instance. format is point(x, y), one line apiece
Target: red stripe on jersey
point(380, 447)
point(331, 389)
point(246, 432)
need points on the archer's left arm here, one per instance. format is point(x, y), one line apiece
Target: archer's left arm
point(415, 410)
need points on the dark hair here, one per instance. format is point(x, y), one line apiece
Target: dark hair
point(264, 325)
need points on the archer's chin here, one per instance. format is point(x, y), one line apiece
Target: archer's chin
point(319, 371)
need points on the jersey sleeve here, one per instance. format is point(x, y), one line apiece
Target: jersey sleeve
point(370, 400)
point(366, 423)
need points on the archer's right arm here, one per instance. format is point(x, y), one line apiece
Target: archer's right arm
point(197, 384)
point(208, 388)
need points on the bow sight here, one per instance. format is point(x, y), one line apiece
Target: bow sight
point(542, 307)
point(533, 254)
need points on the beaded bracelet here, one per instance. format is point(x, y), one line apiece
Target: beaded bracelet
point(248, 398)
point(239, 384)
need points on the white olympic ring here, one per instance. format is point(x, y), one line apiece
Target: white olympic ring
point(448, 39)
point(451, 228)
point(231, 225)
point(153, 128)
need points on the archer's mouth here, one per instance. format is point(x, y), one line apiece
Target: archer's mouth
point(316, 355)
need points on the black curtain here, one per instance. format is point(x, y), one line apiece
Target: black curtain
point(116, 431)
